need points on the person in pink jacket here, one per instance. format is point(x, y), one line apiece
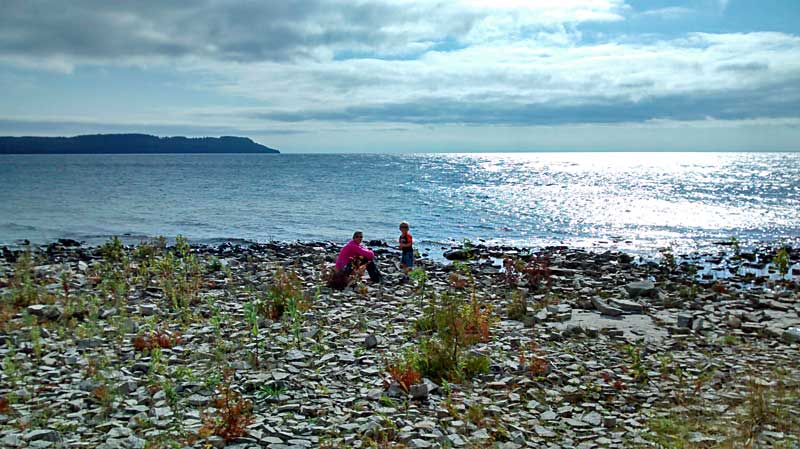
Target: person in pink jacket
point(354, 253)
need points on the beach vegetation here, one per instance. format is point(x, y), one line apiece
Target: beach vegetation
point(759, 408)
point(668, 261)
point(341, 279)
point(11, 369)
point(781, 262)
point(149, 340)
point(468, 248)
point(420, 278)
point(252, 317)
point(271, 391)
point(179, 275)
point(283, 294)
point(404, 371)
point(213, 264)
point(517, 307)
point(476, 414)
point(737, 249)
point(534, 274)
point(533, 361)
point(688, 292)
point(637, 367)
point(450, 323)
point(24, 288)
point(232, 413)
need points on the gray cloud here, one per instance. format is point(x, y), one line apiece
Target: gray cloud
point(749, 67)
point(87, 30)
point(776, 101)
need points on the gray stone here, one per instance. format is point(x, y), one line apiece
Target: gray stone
point(148, 309)
point(419, 391)
point(542, 315)
point(294, 355)
point(481, 435)
point(609, 422)
point(640, 288)
point(697, 438)
point(134, 442)
point(604, 308)
point(215, 441)
point(127, 387)
point(559, 308)
point(592, 418)
point(86, 343)
point(43, 435)
point(549, 415)
point(11, 440)
point(456, 440)
point(44, 311)
point(684, 321)
point(699, 324)
point(791, 335)
point(198, 400)
point(627, 306)
point(370, 341)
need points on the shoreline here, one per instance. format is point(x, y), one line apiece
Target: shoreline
point(645, 250)
point(598, 356)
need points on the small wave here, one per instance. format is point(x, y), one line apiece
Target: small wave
point(220, 240)
point(16, 227)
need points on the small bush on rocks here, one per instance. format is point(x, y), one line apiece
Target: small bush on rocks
point(403, 370)
point(156, 339)
point(452, 324)
point(232, 414)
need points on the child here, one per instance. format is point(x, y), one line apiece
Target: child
point(406, 245)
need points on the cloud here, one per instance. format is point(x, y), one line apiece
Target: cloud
point(417, 63)
point(54, 34)
point(779, 101)
point(540, 82)
point(674, 12)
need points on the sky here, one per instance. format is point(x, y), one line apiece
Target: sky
point(313, 76)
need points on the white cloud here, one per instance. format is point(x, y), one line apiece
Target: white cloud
point(674, 12)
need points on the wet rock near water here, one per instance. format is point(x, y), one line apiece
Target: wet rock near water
point(599, 349)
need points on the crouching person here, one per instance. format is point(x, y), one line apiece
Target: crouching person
point(354, 255)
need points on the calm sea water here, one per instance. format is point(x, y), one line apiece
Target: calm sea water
point(631, 201)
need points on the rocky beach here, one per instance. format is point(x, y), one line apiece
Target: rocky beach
point(245, 346)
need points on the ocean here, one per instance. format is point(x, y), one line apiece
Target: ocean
point(636, 202)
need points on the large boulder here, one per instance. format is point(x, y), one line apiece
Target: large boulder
point(641, 288)
point(458, 254)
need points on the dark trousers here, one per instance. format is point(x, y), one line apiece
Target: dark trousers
point(372, 269)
